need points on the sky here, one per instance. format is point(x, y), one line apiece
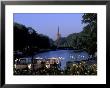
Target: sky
point(47, 23)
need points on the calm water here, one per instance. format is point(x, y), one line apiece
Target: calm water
point(65, 55)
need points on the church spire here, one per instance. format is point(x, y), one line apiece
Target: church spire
point(58, 29)
point(58, 36)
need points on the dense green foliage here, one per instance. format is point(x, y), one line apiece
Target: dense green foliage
point(28, 40)
point(81, 68)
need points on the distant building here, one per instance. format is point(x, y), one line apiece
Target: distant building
point(58, 37)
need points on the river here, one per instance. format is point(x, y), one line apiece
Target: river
point(65, 55)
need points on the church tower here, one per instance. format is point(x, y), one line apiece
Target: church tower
point(58, 37)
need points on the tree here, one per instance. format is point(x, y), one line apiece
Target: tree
point(20, 36)
point(27, 40)
point(90, 20)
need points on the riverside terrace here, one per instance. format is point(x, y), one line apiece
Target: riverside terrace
point(21, 65)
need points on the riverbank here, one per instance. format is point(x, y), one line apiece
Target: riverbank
point(49, 68)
